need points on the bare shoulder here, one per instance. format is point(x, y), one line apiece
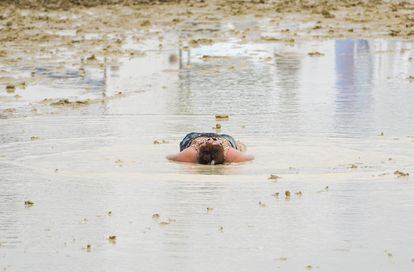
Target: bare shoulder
point(234, 155)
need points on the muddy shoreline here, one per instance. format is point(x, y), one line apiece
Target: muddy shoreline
point(84, 34)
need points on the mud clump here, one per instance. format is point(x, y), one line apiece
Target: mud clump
point(168, 222)
point(10, 88)
point(9, 110)
point(287, 194)
point(67, 102)
point(28, 203)
point(325, 13)
point(88, 248)
point(156, 216)
point(273, 177)
point(222, 117)
point(145, 23)
point(400, 174)
point(112, 239)
point(316, 54)
point(198, 42)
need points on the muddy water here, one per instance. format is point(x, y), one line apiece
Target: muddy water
point(334, 127)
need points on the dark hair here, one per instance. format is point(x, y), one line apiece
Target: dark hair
point(210, 153)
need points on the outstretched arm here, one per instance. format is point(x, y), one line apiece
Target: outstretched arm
point(233, 155)
point(187, 155)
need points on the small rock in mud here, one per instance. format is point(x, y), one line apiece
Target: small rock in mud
point(156, 216)
point(399, 174)
point(118, 161)
point(353, 166)
point(209, 210)
point(299, 194)
point(220, 229)
point(287, 194)
point(28, 203)
point(10, 88)
point(222, 117)
point(218, 126)
point(109, 213)
point(411, 78)
point(261, 204)
point(381, 134)
point(309, 267)
point(316, 54)
point(33, 138)
point(273, 177)
point(276, 194)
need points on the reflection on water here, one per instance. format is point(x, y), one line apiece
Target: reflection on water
point(314, 121)
point(354, 73)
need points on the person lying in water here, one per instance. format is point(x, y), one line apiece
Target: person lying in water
point(210, 148)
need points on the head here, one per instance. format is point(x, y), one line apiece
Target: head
point(211, 152)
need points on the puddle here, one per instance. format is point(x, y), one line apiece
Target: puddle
point(306, 118)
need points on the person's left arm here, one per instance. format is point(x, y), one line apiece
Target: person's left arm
point(233, 155)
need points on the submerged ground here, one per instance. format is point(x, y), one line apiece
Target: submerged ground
point(92, 99)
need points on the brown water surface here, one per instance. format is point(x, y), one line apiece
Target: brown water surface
point(334, 127)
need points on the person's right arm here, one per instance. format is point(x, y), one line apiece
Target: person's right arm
point(187, 155)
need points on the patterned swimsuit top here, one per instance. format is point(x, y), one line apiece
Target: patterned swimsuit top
point(196, 143)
